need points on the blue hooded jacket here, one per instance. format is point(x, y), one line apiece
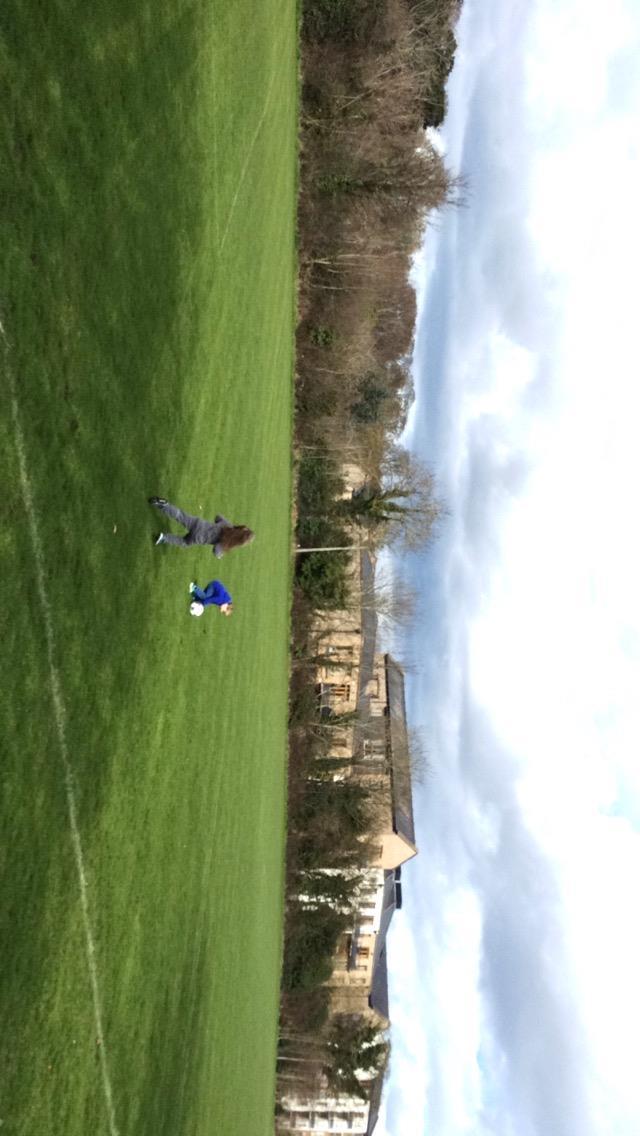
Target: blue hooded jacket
point(214, 593)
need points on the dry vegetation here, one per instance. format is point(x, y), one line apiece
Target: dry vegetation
point(369, 179)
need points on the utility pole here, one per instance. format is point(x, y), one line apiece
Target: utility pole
point(334, 548)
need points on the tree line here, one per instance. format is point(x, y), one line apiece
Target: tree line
point(373, 75)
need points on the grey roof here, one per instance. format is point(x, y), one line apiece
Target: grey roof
point(369, 624)
point(374, 1107)
point(379, 994)
point(388, 904)
point(399, 752)
point(369, 629)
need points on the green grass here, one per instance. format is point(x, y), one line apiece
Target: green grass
point(147, 197)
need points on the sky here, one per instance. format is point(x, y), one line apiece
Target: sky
point(515, 985)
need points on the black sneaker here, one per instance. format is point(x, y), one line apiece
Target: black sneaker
point(158, 501)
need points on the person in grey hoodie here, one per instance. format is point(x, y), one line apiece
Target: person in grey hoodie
point(220, 533)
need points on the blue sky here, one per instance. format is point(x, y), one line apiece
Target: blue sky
point(514, 964)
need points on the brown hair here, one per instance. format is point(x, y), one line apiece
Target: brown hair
point(234, 537)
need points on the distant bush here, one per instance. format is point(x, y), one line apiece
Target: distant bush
point(323, 576)
point(332, 819)
point(306, 1011)
point(372, 396)
point(340, 182)
point(303, 704)
point(346, 20)
point(322, 336)
point(319, 484)
point(311, 942)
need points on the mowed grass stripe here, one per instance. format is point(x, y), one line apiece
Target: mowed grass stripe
point(276, 73)
point(60, 715)
point(146, 361)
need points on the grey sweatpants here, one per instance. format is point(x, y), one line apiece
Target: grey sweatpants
point(199, 531)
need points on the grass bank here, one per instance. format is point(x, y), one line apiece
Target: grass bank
point(147, 186)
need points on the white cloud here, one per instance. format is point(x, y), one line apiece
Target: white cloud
point(515, 995)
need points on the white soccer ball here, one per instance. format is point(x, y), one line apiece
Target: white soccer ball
point(196, 608)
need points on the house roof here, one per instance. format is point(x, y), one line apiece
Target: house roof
point(402, 801)
point(379, 993)
point(376, 1099)
point(369, 624)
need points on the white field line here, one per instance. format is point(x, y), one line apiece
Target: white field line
point(216, 223)
point(245, 167)
point(60, 715)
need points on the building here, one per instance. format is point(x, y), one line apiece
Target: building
point(323, 1115)
point(383, 757)
point(379, 754)
point(345, 642)
point(366, 689)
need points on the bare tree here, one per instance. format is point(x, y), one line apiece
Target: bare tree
point(393, 601)
point(420, 766)
point(400, 504)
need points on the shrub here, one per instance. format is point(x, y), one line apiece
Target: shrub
point(371, 400)
point(322, 336)
point(306, 1011)
point(319, 484)
point(323, 575)
point(333, 819)
point(345, 20)
point(310, 945)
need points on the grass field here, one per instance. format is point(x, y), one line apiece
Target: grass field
point(147, 196)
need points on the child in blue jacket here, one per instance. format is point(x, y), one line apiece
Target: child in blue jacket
point(215, 593)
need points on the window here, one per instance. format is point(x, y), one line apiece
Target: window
point(373, 748)
point(332, 693)
point(363, 958)
point(340, 691)
point(341, 650)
